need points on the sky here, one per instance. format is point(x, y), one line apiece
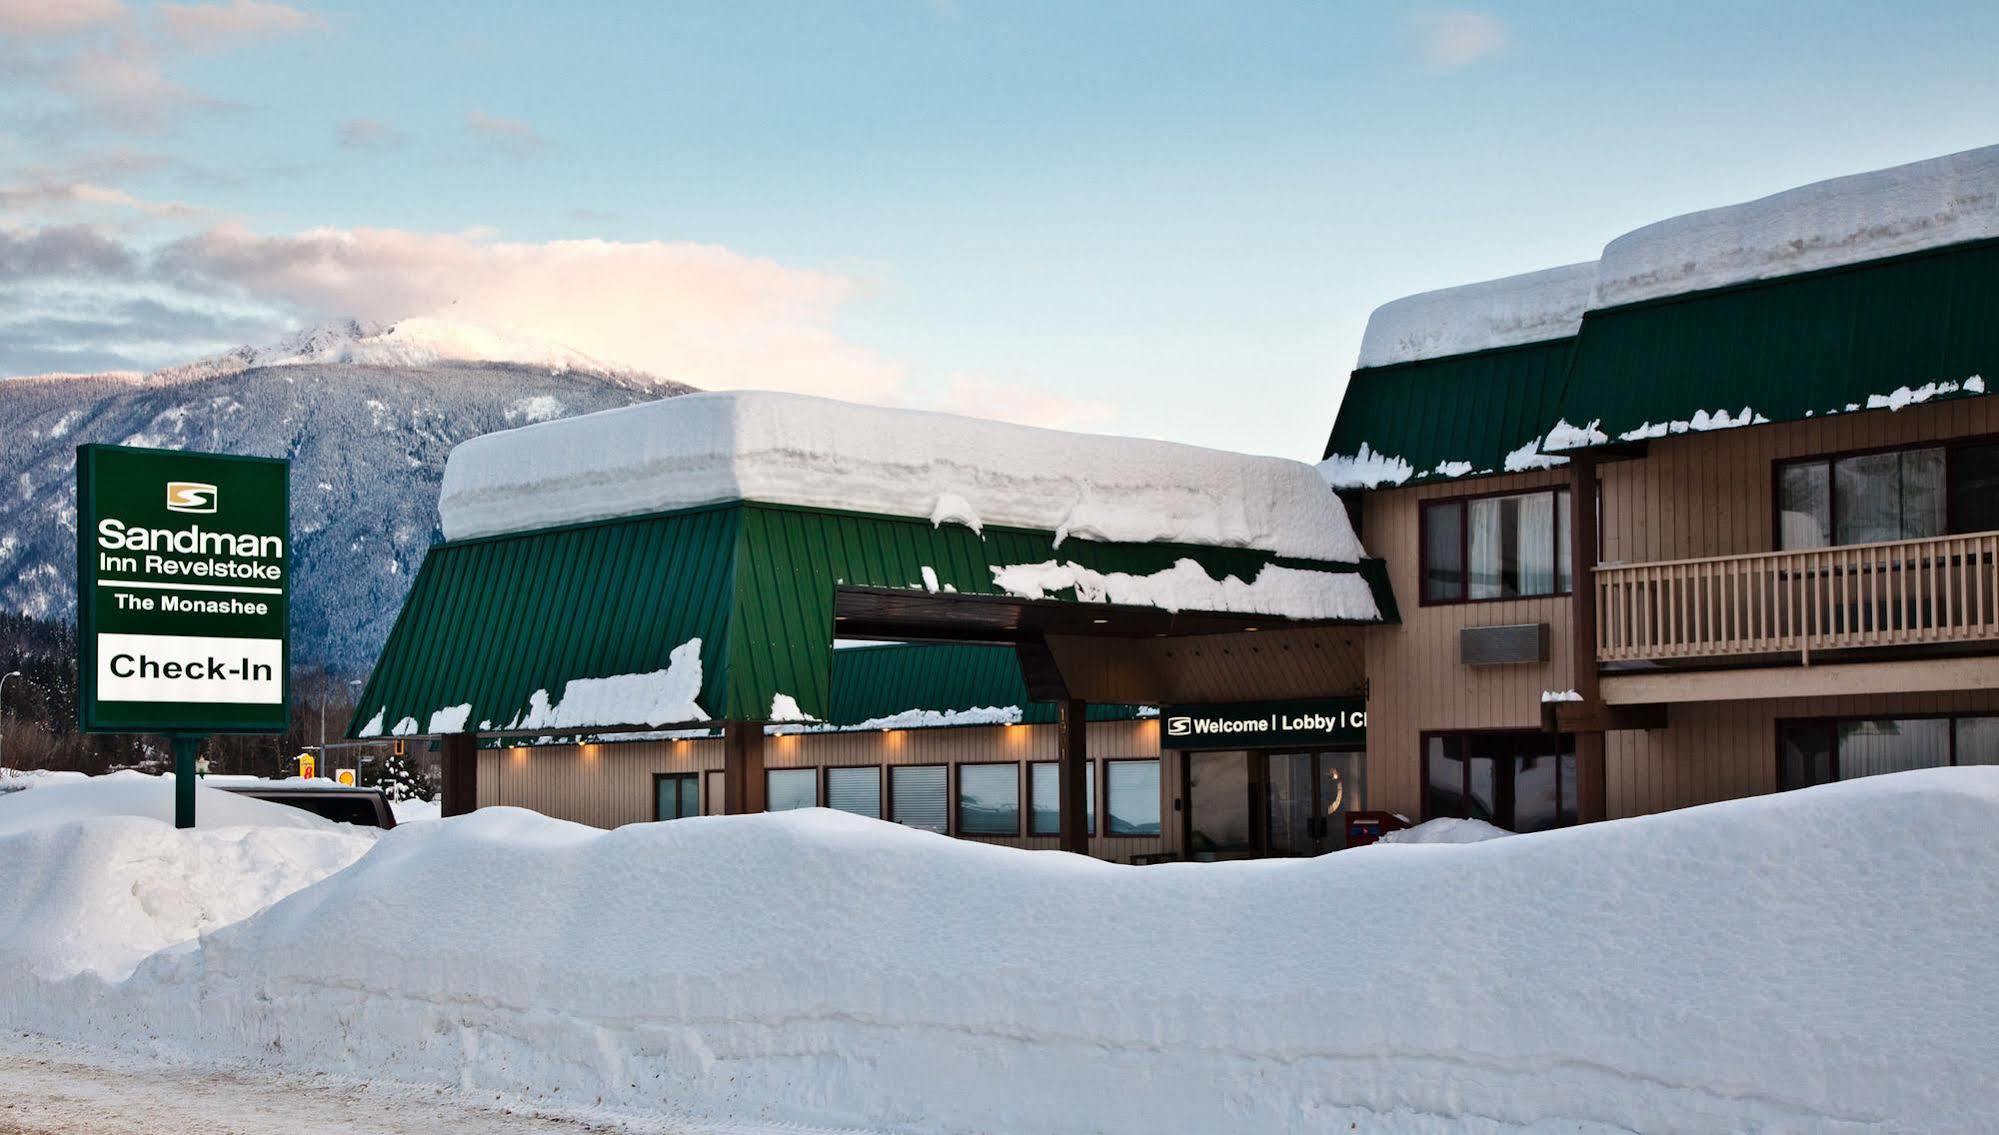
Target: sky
point(1162, 219)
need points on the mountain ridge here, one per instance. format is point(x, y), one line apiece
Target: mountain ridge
point(367, 441)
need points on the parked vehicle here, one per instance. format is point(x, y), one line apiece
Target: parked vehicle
point(362, 807)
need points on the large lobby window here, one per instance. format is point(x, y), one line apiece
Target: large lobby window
point(989, 799)
point(1497, 547)
point(917, 796)
point(788, 788)
point(1820, 752)
point(857, 790)
point(1044, 797)
point(1897, 494)
point(1131, 796)
point(1523, 782)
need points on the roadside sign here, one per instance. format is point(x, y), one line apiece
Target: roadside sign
point(307, 767)
point(344, 776)
point(183, 581)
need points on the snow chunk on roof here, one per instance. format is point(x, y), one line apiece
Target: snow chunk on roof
point(1186, 586)
point(791, 449)
point(1507, 312)
point(1864, 216)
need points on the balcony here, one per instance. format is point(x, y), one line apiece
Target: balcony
point(1789, 606)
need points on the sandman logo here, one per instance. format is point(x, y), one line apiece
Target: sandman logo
point(1179, 726)
point(190, 496)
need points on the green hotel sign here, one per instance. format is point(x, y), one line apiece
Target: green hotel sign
point(183, 572)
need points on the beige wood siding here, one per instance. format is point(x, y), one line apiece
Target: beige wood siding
point(1415, 682)
point(1723, 750)
point(612, 784)
point(1712, 494)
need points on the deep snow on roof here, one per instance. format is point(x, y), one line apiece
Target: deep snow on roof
point(1844, 220)
point(701, 449)
point(1508, 312)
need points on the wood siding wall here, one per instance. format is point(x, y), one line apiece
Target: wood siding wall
point(1415, 681)
point(1713, 751)
point(1693, 495)
point(1712, 494)
point(612, 784)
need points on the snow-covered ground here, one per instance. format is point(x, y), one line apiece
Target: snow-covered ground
point(1813, 961)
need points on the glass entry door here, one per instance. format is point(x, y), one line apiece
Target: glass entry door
point(676, 795)
point(1309, 796)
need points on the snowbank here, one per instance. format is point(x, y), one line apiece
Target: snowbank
point(1445, 831)
point(790, 449)
point(93, 876)
point(1844, 220)
point(1511, 311)
point(1816, 960)
point(146, 797)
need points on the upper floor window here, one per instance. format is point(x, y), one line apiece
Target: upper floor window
point(1896, 494)
point(1498, 547)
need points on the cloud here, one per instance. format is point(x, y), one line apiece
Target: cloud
point(368, 134)
point(63, 252)
point(127, 88)
point(696, 313)
point(211, 26)
point(44, 195)
point(1016, 401)
point(1458, 38)
point(510, 135)
point(51, 18)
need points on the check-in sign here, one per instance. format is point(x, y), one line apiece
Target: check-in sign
point(183, 587)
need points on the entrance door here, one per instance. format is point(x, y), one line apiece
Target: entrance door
point(1309, 795)
point(675, 795)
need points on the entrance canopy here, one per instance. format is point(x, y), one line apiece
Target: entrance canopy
point(588, 619)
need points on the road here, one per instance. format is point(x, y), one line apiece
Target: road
point(51, 1089)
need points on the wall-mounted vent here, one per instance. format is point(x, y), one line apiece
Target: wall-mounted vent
point(1499, 646)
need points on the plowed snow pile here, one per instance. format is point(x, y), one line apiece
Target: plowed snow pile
point(1816, 961)
point(93, 876)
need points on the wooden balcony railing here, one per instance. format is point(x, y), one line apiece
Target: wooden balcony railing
point(1905, 592)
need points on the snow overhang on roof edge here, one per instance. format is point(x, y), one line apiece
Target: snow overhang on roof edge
point(753, 446)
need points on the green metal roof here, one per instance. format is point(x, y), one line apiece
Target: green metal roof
point(1473, 408)
point(874, 682)
point(1793, 347)
point(491, 621)
point(1789, 348)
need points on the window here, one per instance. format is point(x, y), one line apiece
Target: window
point(1131, 792)
point(856, 790)
point(916, 797)
point(1523, 782)
point(1899, 494)
point(675, 795)
point(788, 788)
point(1820, 752)
point(1044, 797)
point(1497, 547)
point(989, 799)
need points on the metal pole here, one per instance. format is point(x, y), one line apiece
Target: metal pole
point(186, 749)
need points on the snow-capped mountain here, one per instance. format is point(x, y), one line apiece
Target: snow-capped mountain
point(366, 414)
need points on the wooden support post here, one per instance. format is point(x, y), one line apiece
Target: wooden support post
point(743, 767)
point(1591, 799)
point(1073, 770)
point(461, 773)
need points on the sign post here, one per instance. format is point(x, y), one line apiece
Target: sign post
point(183, 581)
